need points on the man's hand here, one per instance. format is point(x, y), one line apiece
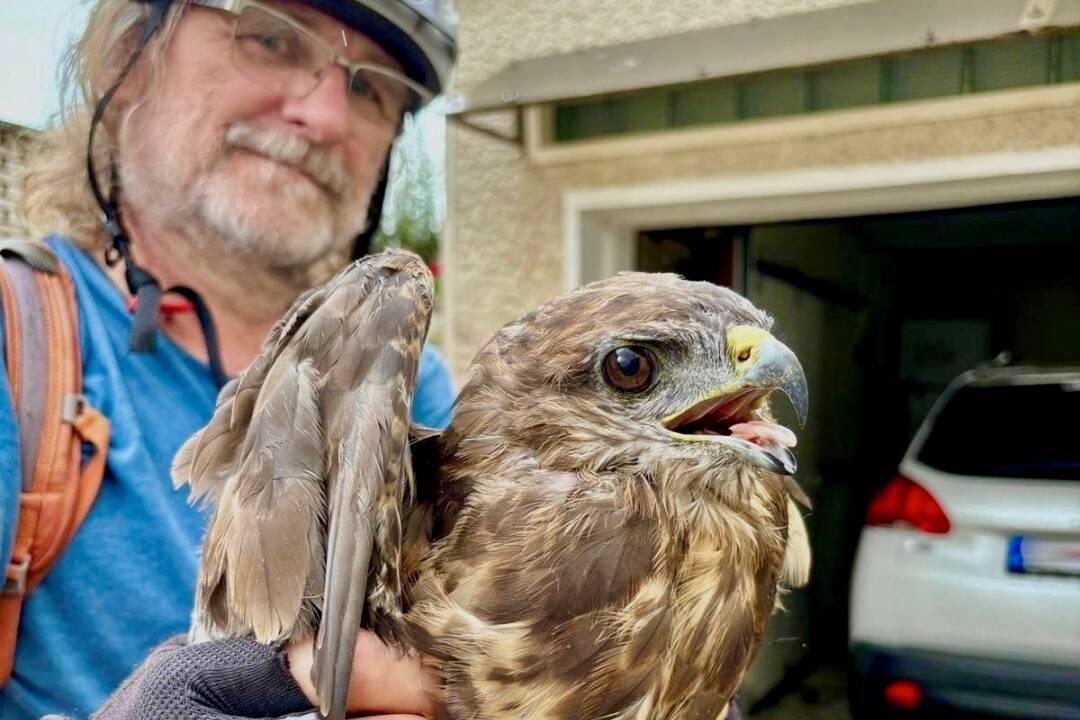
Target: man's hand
point(240, 678)
point(236, 678)
point(385, 680)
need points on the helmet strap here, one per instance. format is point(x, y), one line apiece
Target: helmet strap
point(374, 215)
point(142, 285)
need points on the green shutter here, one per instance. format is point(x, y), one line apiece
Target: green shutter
point(1070, 57)
point(639, 112)
point(847, 85)
point(1016, 63)
point(715, 102)
point(773, 95)
point(928, 74)
point(1021, 61)
point(584, 120)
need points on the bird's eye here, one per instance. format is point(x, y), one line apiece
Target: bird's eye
point(630, 369)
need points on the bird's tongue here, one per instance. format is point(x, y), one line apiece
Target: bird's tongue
point(766, 434)
point(775, 440)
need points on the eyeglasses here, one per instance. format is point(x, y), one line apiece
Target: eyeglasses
point(282, 56)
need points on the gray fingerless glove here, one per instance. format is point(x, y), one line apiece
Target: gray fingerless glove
point(236, 678)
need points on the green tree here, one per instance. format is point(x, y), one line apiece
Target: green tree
point(415, 206)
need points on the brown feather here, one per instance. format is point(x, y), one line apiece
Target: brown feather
point(558, 550)
point(584, 566)
point(306, 459)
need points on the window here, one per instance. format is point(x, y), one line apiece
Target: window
point(1013, 431)
point(1013, 62)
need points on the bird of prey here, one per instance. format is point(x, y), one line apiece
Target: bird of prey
point(602, 532)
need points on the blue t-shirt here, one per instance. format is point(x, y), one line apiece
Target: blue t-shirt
point(127, 580)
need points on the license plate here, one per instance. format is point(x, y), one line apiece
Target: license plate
point(1042, 556)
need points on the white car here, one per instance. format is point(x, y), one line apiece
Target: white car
point(966, 588)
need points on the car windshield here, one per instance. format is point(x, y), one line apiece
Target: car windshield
point(1013, 431)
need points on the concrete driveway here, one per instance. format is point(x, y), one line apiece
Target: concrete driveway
point(822, 696)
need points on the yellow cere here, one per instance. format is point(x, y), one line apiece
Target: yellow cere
point(743, 340)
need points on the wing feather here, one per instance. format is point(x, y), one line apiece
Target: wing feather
point(208, 458)
point(263, 538)
point(306, 459)
point(369, 474)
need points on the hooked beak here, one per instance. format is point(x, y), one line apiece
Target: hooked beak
point(771, 365)
point(730, 413)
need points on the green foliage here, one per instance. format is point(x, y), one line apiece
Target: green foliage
point(414, 209)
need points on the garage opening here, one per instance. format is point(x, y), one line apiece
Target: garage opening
point(884, 311)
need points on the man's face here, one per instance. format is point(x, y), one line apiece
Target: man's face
point(285, 182)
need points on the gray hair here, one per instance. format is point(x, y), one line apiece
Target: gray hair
point(56, 195)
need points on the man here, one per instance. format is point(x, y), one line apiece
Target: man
point(242, 151)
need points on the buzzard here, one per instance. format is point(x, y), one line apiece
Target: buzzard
point(602, 532)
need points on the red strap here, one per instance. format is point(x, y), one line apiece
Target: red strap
point(169, 305)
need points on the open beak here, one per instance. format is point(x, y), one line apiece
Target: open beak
point(731, 413)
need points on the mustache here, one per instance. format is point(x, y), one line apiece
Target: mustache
point(325, 167)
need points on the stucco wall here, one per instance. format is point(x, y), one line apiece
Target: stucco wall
point(504, 248)
point(494, 33)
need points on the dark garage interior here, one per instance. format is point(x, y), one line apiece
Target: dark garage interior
point(884, 311)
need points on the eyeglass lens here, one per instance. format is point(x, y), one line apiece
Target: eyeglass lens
point(281, 57)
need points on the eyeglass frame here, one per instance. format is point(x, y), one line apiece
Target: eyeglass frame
point(236, 7)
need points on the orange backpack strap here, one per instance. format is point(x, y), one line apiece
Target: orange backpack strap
point(44, 369)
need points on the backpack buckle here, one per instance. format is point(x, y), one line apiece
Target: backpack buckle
point(73, 407)
point(15, 582)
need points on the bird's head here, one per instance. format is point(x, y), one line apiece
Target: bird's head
point(637, 371)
